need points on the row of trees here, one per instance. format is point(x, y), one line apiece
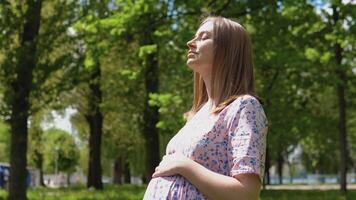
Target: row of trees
point(121, 65)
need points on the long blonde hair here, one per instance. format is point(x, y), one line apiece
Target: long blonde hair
point(232, 71)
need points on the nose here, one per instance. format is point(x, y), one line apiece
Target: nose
point(191, 44)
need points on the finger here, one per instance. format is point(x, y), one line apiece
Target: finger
point(159, 174)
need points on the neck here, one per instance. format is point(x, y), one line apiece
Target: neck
point(207, 82)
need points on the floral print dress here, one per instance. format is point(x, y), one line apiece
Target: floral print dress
point(230, 143)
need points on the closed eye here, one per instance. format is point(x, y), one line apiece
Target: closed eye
point(202, 35)
point(205, 36)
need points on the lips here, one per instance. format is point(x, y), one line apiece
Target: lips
point(191, 53)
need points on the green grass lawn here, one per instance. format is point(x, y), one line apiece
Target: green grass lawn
point(306, 195)
point(131, 192)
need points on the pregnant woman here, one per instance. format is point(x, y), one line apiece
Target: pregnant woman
point(219, 154)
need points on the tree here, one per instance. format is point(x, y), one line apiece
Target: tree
point(20, 86)
point(60, 152)
point(93, 12)
point(331, 49)
point(27, 62)
point(146, 18)
point(122, 141)
point(340, 87)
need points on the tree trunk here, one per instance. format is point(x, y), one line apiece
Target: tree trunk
point(150, 116)
point(280, 168)
point(20, 105)
point(127, 174)
point(342, 125)
point(41, 178)
point(68, 179)
point(340, 87)
point(117, 171)
point(267, 180)
point(39, 166)
point(95, 120)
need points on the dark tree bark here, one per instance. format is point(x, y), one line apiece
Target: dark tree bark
point(280, 168)
point(117, 171)
point(267, 180)
point(121, 171)
point(41, 178)
point(150, 116)
point(127, 174)
point(342, 130)
point(39, 166)
point(20, 90)
point(68, 179)
point(340, 87)
point(95, 120)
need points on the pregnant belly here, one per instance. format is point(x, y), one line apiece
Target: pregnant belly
point(159, 188)
point(171, 187)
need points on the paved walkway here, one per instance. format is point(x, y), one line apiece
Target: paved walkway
point(309, 187)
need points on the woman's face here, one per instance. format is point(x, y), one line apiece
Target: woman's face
point(201, 50)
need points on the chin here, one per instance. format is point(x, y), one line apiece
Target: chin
point(191, 65)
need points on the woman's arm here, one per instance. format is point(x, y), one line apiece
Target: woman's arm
point(214, 185)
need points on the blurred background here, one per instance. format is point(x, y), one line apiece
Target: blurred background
point(91, 91)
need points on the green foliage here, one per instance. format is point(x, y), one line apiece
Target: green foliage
point(56, 55)
point(146, 50)
point(4, 142)
point(60, 151)
point(36, 143)
point(295, 72)
point(167, 103)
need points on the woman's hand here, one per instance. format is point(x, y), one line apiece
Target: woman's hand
point(171, 164)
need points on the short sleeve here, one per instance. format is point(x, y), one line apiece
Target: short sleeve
point(247, 139)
